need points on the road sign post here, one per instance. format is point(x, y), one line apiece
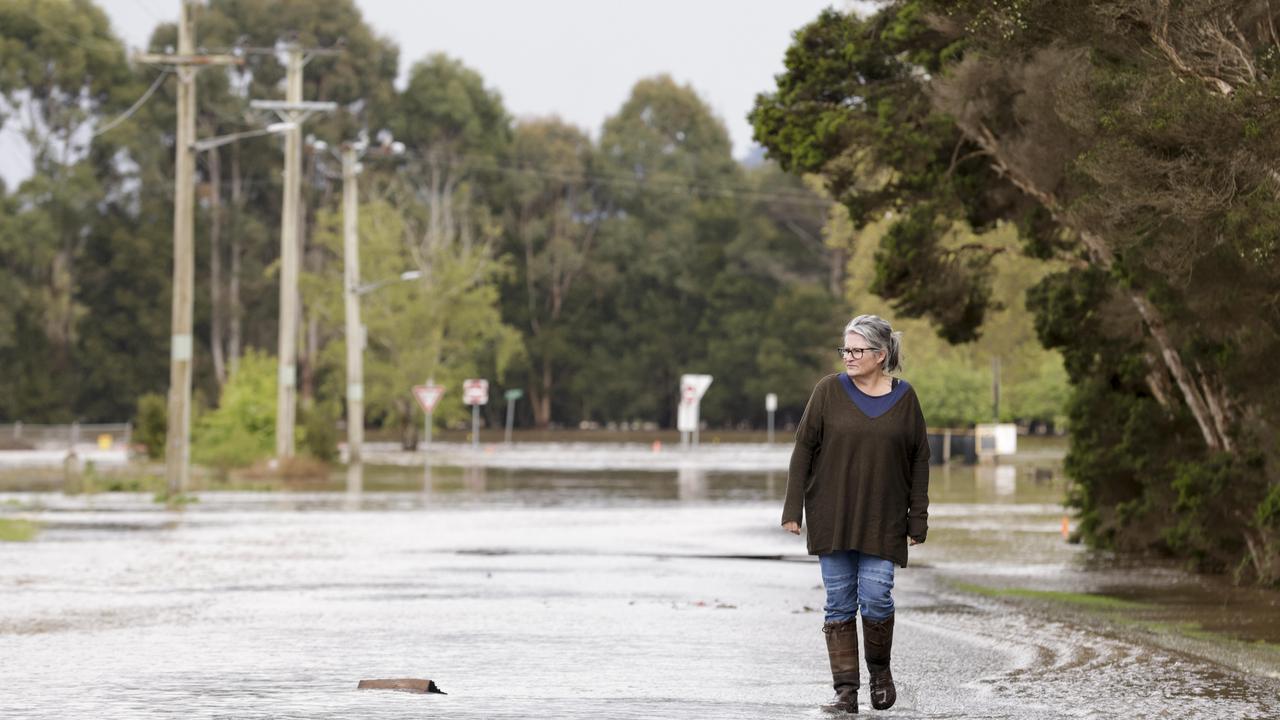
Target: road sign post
point(770, 405)
point(692, 388)
point(428, 396)
point(512, 396)
point(475, 392)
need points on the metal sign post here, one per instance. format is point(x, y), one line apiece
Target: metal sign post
point(475, 392)
point(770, 405)
point(692, 388)
point(427, 396)
point(512, 396)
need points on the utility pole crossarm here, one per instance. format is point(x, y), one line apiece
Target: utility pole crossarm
point(293, 112)
point(186, 60)
point(300, 106)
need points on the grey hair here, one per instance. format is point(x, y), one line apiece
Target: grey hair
point(881, 336)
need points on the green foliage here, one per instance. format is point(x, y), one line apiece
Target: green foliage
point(1066, 303)
point(922, 278)
point(1041, 394)
point(1212, 492)
point(552, 227)
point(1268, 514)
point(851, 106)
point(593, 273)
point(320, 431)
point(541, 249)
point(442, 326)
point(242, 429)
point(1120, 146)
point(952, 394)
point(660, 254)
point(954, 382)
point(12, 530)
point(151, 424)
point(62, 71)
point(447, 109)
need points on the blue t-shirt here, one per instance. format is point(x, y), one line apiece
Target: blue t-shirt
point(873, 406)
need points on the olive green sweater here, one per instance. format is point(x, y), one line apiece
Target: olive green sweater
point(862, 482)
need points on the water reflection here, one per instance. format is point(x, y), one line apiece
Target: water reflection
point(355, 486)
point(476, 478)
point(691, 483)
point(366, 486)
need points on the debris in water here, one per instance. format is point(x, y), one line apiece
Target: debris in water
point(413, 685)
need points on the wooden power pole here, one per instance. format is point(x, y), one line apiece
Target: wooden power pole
point(178, 438)
point(350, 284)
point(293, 110)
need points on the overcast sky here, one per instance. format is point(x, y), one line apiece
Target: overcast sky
point(577, 58)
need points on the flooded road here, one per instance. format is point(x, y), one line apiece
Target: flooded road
point(568, 595)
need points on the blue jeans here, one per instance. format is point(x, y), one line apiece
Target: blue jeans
point(857, 580)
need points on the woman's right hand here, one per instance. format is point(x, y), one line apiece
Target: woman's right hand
point(791, 527)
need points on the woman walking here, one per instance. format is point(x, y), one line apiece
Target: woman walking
point(860, 475)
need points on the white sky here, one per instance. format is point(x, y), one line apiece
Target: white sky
point(574, 58)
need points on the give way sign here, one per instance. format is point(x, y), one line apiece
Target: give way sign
point(427, 396)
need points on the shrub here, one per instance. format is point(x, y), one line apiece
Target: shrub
point(150, 425)
point(320, 432)
point(242, 429)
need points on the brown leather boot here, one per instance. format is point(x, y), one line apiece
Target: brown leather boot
point(877, 635)
point(842, 649)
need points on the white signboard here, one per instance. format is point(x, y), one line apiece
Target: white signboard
point(770, 402)
point(475, 391)
point(427, 396)
point(692, 388)
point(996, 439)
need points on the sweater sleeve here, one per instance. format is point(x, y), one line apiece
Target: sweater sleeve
point(808, 441)
point(918, 493)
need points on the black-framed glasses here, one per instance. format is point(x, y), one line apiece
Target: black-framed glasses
point(857, 353)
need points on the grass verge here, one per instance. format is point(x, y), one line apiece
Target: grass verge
point(13, 530)
point(1145, 622)
point(1082, 600)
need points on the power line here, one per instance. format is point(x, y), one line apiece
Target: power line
point(148, 11)
point(133, 108)
point(667, 184)
point(252, 183)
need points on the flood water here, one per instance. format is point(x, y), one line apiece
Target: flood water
point(583, 595)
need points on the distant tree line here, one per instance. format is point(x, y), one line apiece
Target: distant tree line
point(589, 272)
point(1135, 146)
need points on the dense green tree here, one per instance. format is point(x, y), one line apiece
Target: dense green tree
point(674, 218)
point(445, 326)
point(436, 216)
point(1133, 141)
point(772, 315)
point(853, 107)
point(62, 72)
point(555, 210)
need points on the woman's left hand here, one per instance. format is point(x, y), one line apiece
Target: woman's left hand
point(912, 541)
